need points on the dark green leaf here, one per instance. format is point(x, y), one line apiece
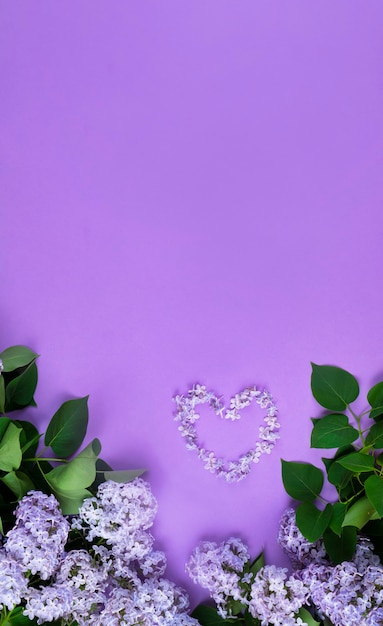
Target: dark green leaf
point(374, 492)
point(358, 462)
point(257, 564)
point(360, 513)
point(375, 436)
point(29, 437)
point(333, 431)
point(67, 428)
point(10, 451)
point(338, 514)
point(17, 618)
point(207, 616)
point(340, 548)
point(338, 475)
point(18, 482)
point(375, 400)
point(17, 356)
point(311, 521)
point(334, 388)
point(2, 394)
point(302, 481)
point(20, 390)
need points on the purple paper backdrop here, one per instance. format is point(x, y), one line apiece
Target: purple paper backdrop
point(191, 191)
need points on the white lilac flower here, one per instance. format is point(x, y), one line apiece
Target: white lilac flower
point(39, 535)
point(118, 510)
point(1, 366)
point(276, 599)
point(151, 603)
point(218, 568)
point(299, 550)
point(86, 578)
point(13, 584)
point(47, 604)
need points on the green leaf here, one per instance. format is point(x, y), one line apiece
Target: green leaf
point(340, 548)
point(70, 501)
point(333, 387)
point(257, 564)
point(67, 428)
point(29, 437)
point(2, 394)
point(17, 356)
point(358, 462)
point(338, 514)
point(10, 451)
point(207, 616)
point(333, 431)
point(20, 390)
point(18, 482)
point(360, 513)
point(306, 617)
point(375, 400)
point(338, 475)
point(78, 473)
point(374, 492)
point(17, 618)
point(123, 476)
point(302, 481)
point(311, 521)
point(375, 436)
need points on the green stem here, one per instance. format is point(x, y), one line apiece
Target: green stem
point(38, 458)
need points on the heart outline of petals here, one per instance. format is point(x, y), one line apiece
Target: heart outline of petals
point(231, 470)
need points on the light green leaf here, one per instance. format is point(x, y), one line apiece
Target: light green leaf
point(78, 473)
point(302, 481)
point(10, 451)
point(333, 431)
point(358, 462)
point(333, 387)
point(70, 501)
point(67, 428)
point(375, 400)
point(123, 476)
point(17, 356)
point(18, 482)
point(311, 521)
point(20, 390)
point(374, 492)
point(360, 513)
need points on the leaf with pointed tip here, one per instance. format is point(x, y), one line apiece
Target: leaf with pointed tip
point(123, 476)
point(20, 390)
point(311, 521)
point(333, 431)
point(333, 387)
point(17, 356)
point(374, 492)
point(18, 482)
point(375, 436)
point(360, 513)
point(77, 474)
point(340, 548)
point(302, 481)
point(67, 428)
point(375, 400)
point(10, 451)
point(358, 462)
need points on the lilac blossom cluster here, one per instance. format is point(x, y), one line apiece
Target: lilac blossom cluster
point(348, 593)
point(117, 579)
point(268, 595)
point(234, 470)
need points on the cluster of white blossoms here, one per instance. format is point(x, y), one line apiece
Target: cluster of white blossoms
point(115, 578)
point(268, 595)
point(234, 470)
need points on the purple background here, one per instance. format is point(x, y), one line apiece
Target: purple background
point(191, 191)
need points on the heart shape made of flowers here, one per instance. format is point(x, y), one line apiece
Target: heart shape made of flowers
point(231, 470)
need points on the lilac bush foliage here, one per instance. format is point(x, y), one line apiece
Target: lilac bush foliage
point(115, 579)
